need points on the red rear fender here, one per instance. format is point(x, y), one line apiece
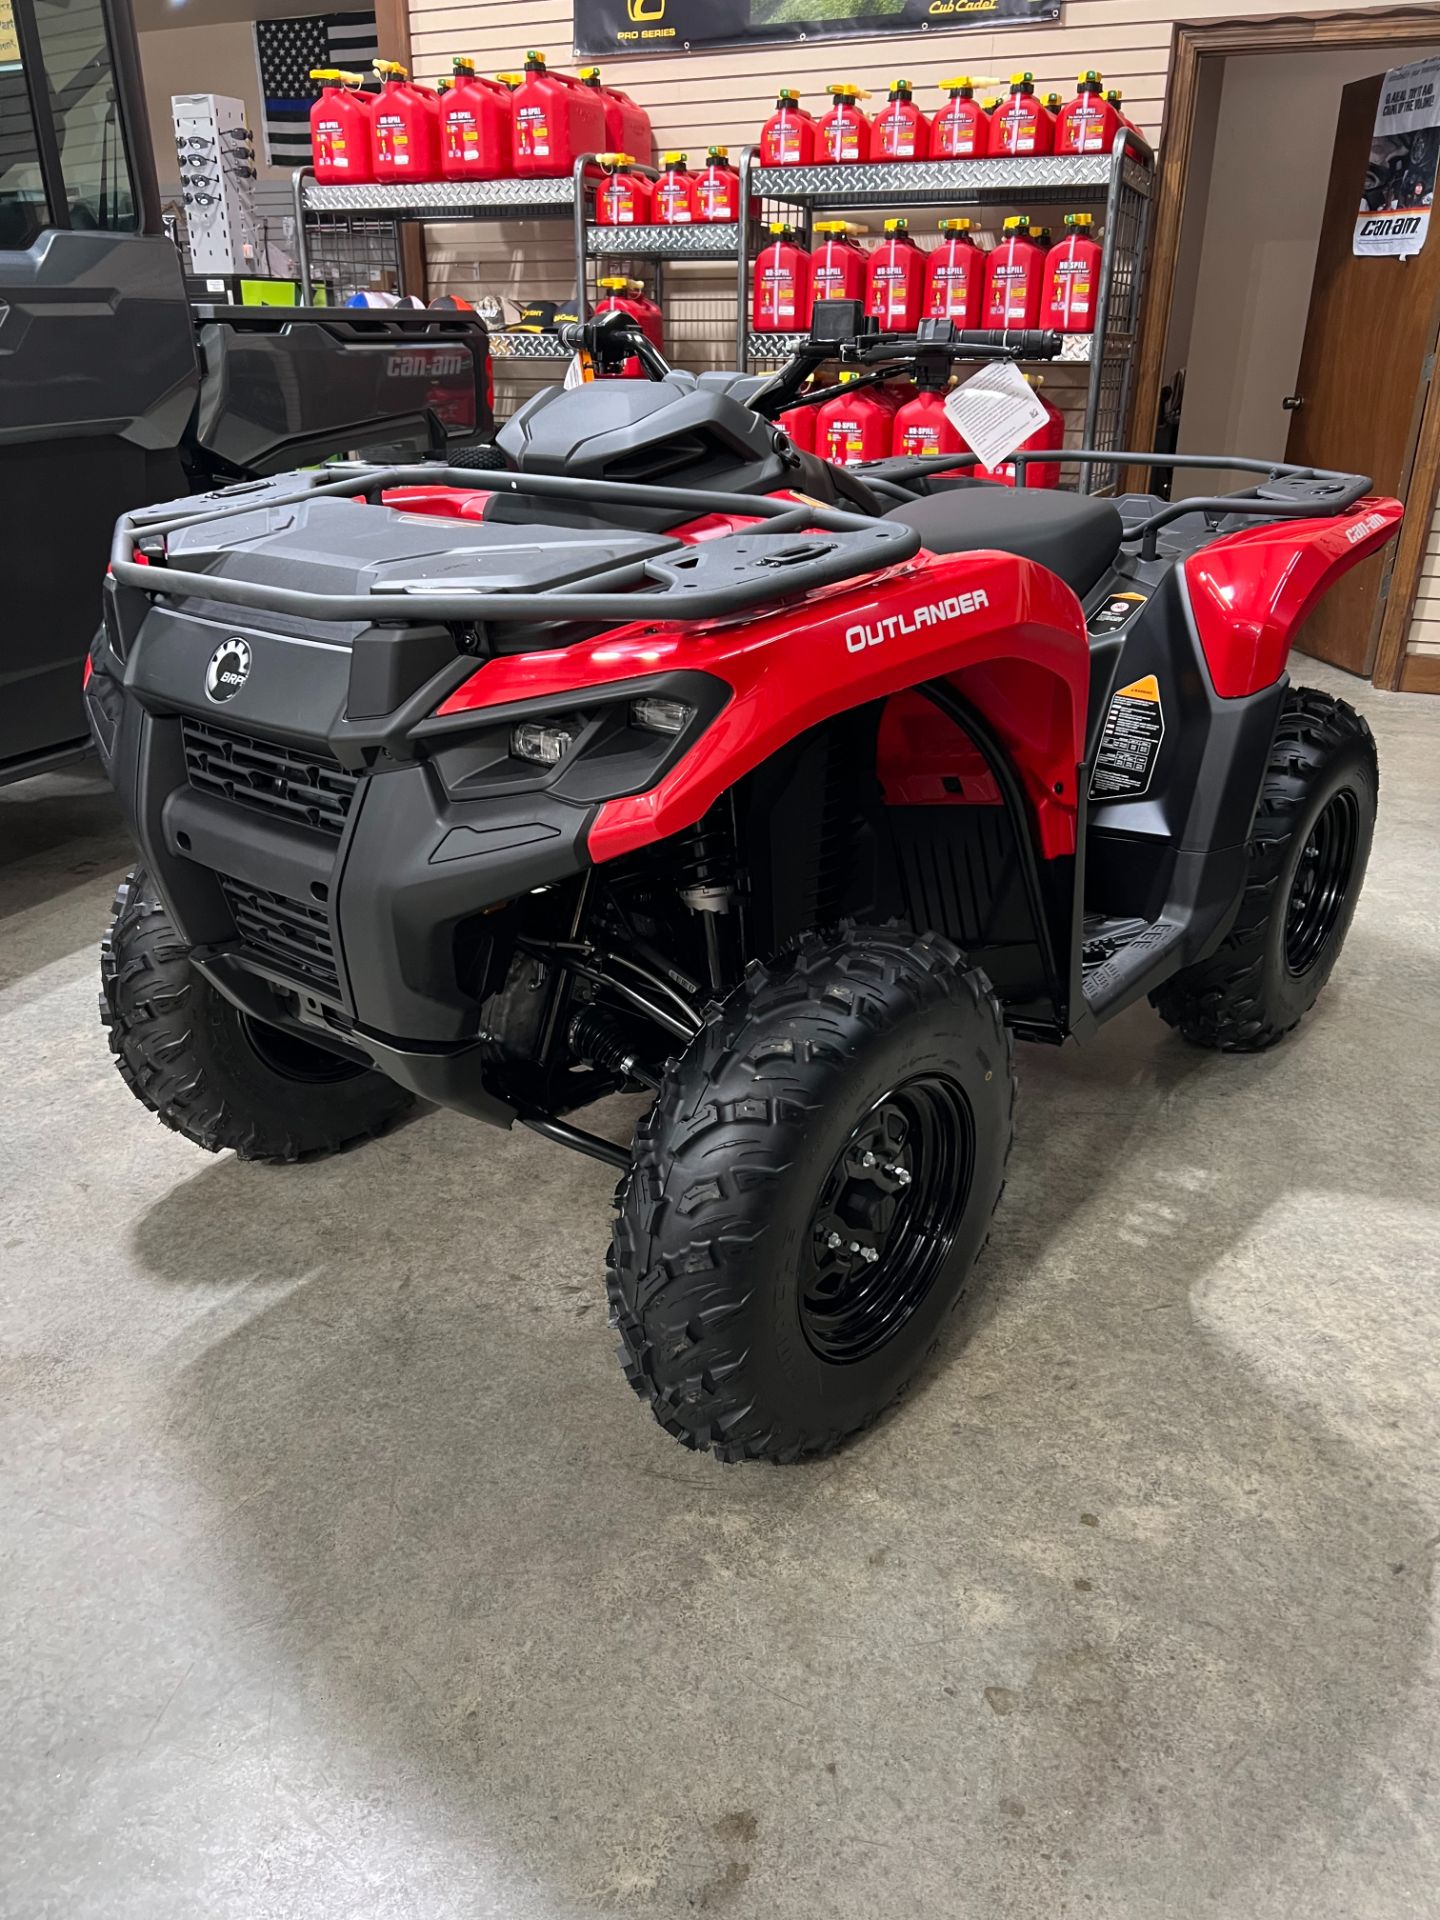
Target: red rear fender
point(1007, 633)
point(1251, 591)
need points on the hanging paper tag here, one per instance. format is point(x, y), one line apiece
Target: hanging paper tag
point(995, 412)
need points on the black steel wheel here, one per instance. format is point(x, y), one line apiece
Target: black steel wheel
point(211, 1072)
point(887, 1217)
point(1305, 866)
point(810, 1192)
point(293, 1057)
point(1322, 879)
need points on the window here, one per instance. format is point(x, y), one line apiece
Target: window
point(86, 112)
point(79, 105)
point(23, 210)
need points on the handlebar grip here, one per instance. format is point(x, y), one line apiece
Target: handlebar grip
point(588, 333)
point(1026, 343)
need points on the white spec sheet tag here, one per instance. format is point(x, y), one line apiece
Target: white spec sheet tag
point(995, 412)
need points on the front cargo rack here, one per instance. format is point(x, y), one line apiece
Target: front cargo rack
point(800, 547)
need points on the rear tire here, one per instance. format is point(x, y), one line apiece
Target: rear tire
point(810, 1192)
point(210, 1072)
point(1308, 852)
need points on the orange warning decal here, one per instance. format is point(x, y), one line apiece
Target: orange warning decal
point(1147, 688)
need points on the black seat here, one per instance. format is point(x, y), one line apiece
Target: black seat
point(1070, 533)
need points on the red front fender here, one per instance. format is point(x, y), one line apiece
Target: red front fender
point(1007, 632)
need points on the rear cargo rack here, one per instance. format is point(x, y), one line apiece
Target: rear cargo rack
point(1285, 492)
point(817, 546)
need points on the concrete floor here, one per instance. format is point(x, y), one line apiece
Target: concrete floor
point(343, 1576)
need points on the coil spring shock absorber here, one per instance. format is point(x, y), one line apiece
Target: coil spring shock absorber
point(707, 880)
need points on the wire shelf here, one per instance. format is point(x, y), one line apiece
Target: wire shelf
point(527, 346)
point(1078, 349)
point(941, 182)
point(449, 199)
point(719, 240)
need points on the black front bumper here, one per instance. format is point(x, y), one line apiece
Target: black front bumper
point(351, 901)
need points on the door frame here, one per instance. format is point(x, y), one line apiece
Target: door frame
point(1191, 47)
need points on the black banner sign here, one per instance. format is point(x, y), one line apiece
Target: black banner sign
point(675, 26)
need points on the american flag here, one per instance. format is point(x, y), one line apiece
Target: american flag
point(287, 51)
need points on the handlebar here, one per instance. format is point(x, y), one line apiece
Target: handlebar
point(841, 331)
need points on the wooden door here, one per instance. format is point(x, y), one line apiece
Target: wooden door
point(1369, 350)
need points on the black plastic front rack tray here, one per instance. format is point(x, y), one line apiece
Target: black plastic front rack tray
point(799, 548)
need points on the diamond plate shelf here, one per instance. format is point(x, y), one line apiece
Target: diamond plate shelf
point(939, 182)
point(449, 199)
point(1077, 350)
point(527, 346)
point(717, 240)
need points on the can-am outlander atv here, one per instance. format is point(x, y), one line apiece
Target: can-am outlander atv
point(672, 759)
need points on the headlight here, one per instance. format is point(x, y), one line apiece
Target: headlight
point(546, 742)
point(655, 714)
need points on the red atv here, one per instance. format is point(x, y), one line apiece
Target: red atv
point(673, 760)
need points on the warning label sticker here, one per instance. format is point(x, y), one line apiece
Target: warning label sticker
point(1130, 743)
point(1117, 612)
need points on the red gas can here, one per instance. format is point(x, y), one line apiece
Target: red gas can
point(895, 280)
point(961, 130)
point(799, 423)
point(717, 189)
point(955, 277)
point(1015, 277)
point(1089, 123)
point(923, 428)
point(901, 132)
point(341, 133)
point(1072, 278)
point(1024, 125)
point(674, 192)
point(787, 138)
point(837, 266)
point(407, 128)
point(844, 132)
point(627, 125)
point(557, 118)
point(475, 123)
point(622, 198)
point(781, 301)
point(854, 427)
point(1046, 439)
point(626, 296)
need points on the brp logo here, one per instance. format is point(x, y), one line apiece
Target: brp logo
point(228, 670)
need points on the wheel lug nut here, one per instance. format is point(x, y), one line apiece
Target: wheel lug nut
point(902, 1176)
point(832, 1240)
point(867, 1159)
point(869, 1256)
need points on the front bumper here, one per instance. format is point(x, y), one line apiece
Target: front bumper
point(359, 894)
point(338, 874)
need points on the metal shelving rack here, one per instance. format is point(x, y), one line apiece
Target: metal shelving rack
point(1118, 185)
point(357, 214)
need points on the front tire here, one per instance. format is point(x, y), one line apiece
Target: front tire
point(1308, 852)
point(207, 1070)
point(810, 1192)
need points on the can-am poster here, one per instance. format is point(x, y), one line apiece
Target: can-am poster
point(676, 26)
point(1399, 190)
